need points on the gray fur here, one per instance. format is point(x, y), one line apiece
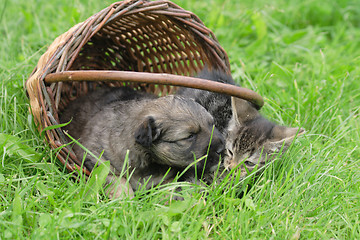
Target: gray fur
point(159, 133)
point(85, 107)
point(218, 105)
point(252, 140)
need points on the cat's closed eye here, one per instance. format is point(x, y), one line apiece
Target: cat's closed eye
point(249, 164)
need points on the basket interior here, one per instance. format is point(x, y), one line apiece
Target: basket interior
point(142, 36)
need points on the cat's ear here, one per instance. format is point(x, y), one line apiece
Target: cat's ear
point(282, 136)
point(243, 111)
point(147, 132)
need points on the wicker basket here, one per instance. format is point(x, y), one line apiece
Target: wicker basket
point(152, 46)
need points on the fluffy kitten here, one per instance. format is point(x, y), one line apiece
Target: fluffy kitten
point(251, 139)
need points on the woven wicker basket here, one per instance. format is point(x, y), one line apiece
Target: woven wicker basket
point(151, 46)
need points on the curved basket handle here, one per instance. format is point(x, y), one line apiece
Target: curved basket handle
point(157, 78)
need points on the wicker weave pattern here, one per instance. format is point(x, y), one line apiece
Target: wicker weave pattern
point(142, 36)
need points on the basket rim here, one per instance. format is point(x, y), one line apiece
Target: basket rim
point(157, 78)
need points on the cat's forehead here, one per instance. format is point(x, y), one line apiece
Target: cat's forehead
point(251, 136)
point(245, 140)
point(256, 129)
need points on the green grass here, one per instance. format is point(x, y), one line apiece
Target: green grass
point(302, 56)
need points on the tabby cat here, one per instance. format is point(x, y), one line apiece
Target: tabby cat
point(251, 140)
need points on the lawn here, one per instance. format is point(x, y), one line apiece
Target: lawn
point(303, 57)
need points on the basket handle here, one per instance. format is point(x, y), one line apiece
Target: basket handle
point(157, 78)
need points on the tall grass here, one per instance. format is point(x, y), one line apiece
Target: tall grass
point(302, 56)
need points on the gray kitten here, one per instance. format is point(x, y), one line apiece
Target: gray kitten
point(158, 132)
point(251, 139)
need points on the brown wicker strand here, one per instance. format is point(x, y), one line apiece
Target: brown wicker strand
point(162, 78)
